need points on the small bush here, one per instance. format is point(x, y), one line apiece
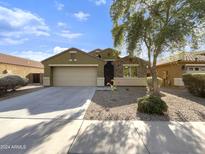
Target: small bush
point(195, 83)
point(152, 105)
point(11, 82)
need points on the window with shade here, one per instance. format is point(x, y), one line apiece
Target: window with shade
point(130, 71)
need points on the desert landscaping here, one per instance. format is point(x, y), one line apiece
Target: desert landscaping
point(122, 105)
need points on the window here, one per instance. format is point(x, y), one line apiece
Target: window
point(72, 57)
point(202, 68)
point(130, 71)
point(196, 69)
point(191, 69)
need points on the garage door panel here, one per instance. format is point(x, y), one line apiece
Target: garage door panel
point(74, 76)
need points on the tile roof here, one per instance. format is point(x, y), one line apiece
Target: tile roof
point(8, 59)
point(185, 56)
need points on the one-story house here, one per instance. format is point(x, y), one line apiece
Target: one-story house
point(172, 68)
point(74, 67)
point(26, 68)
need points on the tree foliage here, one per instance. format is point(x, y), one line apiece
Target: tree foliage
point(160, 25)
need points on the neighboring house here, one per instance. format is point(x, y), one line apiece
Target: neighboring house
point(25, 68)
point(172, 69)
point(74, 67)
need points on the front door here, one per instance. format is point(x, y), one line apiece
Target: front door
point(108, 73)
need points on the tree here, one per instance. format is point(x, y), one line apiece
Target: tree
point(159, 25)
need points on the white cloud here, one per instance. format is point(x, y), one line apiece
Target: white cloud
point(59, 6)
point(85, 50)
point(33, 55)
point(62, 25)
point(17, 24)
point(99, 2)
point(66, 33)
point(38, 55)
point(58, 49)
point(81, 16)
point(69, 35)
point(10, 41)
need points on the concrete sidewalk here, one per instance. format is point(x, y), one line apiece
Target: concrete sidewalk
point(37, 136)
point(139, 137)
point(63, 135)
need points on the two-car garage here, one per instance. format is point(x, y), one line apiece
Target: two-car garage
point(74, 76)
point(73, 67)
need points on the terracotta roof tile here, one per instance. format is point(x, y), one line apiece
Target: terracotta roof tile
point(184, 56)
point(8, 59)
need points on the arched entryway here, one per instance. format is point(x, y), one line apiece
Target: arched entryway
point(108, 73)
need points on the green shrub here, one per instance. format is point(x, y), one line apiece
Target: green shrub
point(195, 83)
point(149, 82)
point(11, 82)
point(152, 105)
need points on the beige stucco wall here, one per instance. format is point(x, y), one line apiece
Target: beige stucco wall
point(22, 71)
point(63, 58)
point(174, 71)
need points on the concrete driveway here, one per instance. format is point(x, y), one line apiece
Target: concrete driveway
point(45, 121)
point(48, 103)
point(50, 121)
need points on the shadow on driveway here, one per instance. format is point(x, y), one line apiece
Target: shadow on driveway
point(35, 135)
point(48, 100)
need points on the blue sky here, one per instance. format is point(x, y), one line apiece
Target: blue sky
point(37, 29)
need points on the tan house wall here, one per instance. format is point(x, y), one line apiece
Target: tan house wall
point(63, 58)
point(141, 69)
point(174, 70)
point(140, 80)
point(22, 71)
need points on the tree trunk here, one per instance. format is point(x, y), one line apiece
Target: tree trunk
point(155, 82)
point(155, 88)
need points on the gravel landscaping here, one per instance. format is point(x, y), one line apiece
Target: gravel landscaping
point(121, 105)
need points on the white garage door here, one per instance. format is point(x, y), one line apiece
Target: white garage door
point(74, 76)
